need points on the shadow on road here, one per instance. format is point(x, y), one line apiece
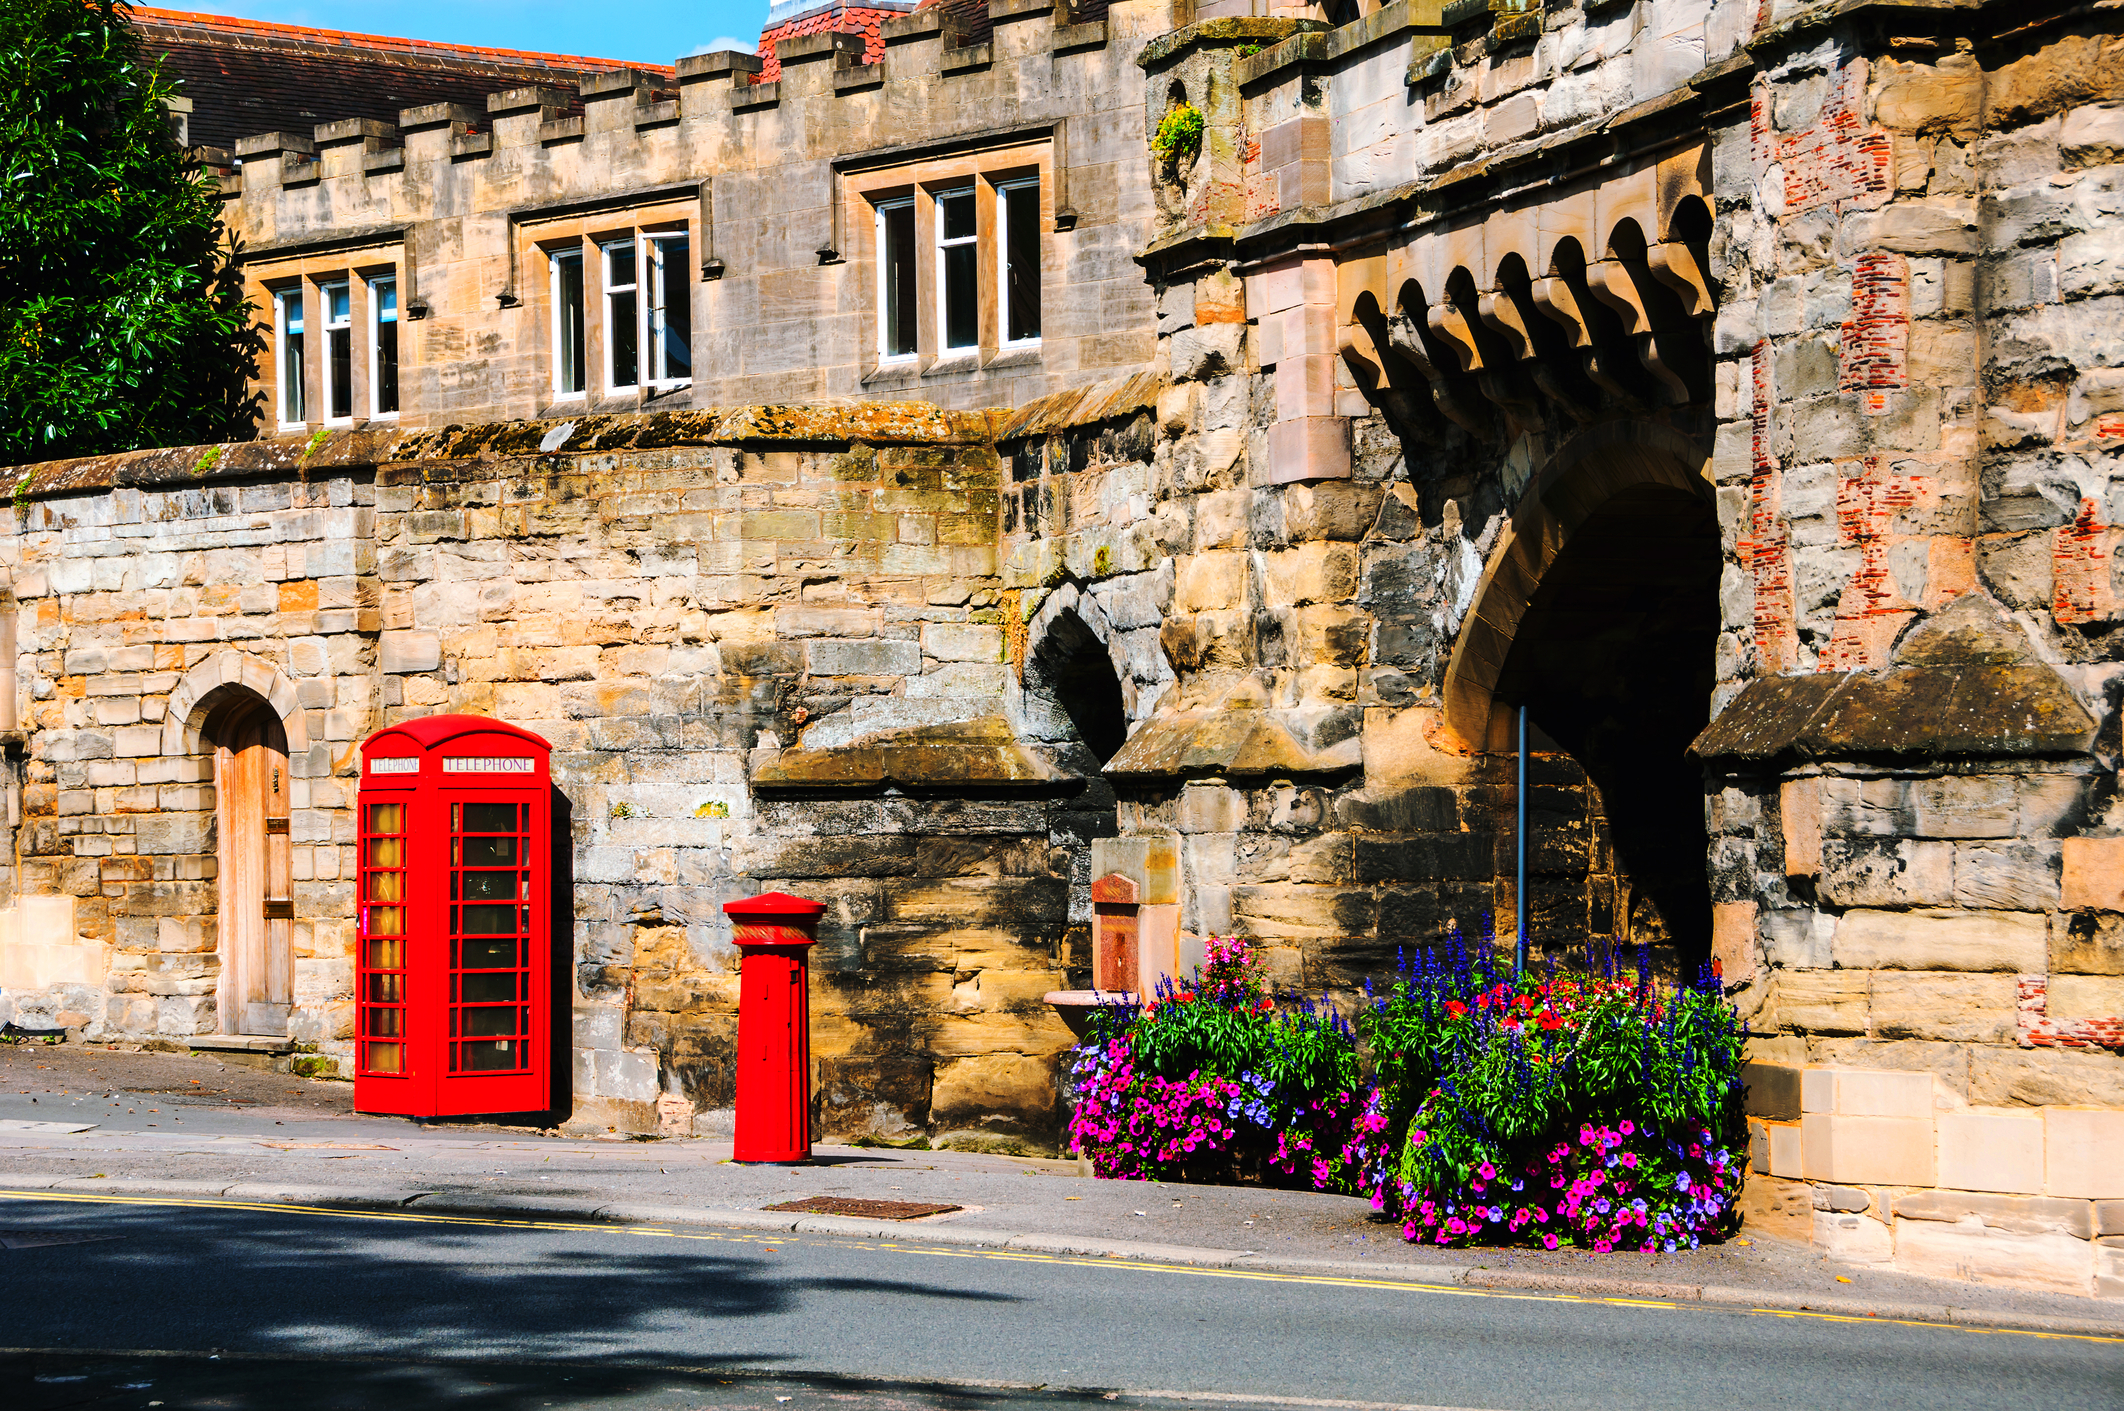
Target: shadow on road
point(265, 1284)
point(51, 1381)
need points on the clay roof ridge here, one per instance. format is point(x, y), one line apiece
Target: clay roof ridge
point(381, 44)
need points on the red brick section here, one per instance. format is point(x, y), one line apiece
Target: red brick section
point(1875, 347)
point(2080, 557)
point(1837, 160)
point(1767, 549)
point(2034, 1027)
point(244, 77)
point(1871, 612)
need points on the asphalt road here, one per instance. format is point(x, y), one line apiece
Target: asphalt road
point(273, 1308)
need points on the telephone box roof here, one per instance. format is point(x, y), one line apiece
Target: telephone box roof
point(432, 730)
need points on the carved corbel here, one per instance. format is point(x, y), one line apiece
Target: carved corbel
point(1674, 264)
point(1406, 339)
point(1610, 282)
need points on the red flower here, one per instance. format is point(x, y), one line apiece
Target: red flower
point(1455, 1009)
point(1550, 1019)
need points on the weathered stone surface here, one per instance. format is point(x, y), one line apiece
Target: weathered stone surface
point(1939, 939)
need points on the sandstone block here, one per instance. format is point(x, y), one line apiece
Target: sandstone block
point(1941, 940)
point(1733, 941)
point(1853, 1239)
point(2083, 1152)
point(2006, 876)
point(1955, 1008)
point(2093, 874)
point(1212, 580)
point(1774, 1090)
point(2013, 1214)
point(1974, 1252)
point(2087, 943)
point(1799, 806)
point(407, 652)
point(1013, 1091)
point(1991, 1150)
point(2086, 996)
point(1786, 1150)
point(1867, 1151)
point(962, 642)
point(1823, 1001)
point(1887, 874)
point(1320, 572)
point(829, 657)
point(1866, 1092)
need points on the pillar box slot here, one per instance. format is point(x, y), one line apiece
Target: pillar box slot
point(1115, 939)
point(454, 966)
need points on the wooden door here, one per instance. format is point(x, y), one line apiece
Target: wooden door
point(256, 912)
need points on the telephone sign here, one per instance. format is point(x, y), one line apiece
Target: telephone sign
point(454, 969)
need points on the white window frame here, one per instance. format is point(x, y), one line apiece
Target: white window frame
point(377, 284)
point(606, 291)
point(1004, 342)
point(280, 356)
point(653, 275)
point(946, 349)
point(554, 260)
point(886, 357)
point(326, 289)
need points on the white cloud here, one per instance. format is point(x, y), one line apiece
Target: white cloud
point(743, 46)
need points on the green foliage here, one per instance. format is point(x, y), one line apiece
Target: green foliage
point(123, 321)
point(1249, 50)
point(1179, 135)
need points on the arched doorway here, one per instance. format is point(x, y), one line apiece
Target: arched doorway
point(1600, 614)
point(255, 911)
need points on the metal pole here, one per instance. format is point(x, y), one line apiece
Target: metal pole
point(1519, 892)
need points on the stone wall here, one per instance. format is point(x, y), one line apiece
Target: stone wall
point(766, 645)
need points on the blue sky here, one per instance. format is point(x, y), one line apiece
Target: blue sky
point(642, 31)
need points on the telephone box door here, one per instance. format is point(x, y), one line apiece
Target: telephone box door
point(455, 968)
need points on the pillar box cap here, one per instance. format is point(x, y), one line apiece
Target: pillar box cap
point(774, 919)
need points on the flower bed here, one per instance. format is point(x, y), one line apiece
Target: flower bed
point(1575, 1108)
point(1561, 1109)
point(1213, 1080)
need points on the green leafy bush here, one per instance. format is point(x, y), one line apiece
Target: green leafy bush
point(1179, 135)
point(123, 322)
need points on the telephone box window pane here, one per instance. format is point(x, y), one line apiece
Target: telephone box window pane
point(495, 1053)
point(387, 955)
point(489, 852)
point(489, 955)
point(479, 1022)
point(490, 818)
point(490, 921)
point(388, 989)
point(383, 1023)
point(385, 1058)
point(490, 886)
point(387, 920)
point(387, 818)
point(490, 989)
point(383, 886)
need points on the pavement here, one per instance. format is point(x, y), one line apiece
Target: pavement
point(83, 1123)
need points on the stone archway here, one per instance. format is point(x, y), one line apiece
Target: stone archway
point(1599, 612)
point(246, 715)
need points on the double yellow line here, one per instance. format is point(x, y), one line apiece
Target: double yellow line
point(416, 1217)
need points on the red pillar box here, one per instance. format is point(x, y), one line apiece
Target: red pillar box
point(774, 932)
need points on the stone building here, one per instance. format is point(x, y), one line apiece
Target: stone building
point(899, 482)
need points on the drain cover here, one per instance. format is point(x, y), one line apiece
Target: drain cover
point(863, 1209)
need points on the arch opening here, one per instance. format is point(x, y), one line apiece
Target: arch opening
point(1613, 658)
point(1073, 668)
point(254, 911)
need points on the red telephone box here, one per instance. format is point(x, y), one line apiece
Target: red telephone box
point(454, 969)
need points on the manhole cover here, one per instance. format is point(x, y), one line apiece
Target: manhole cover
point(862, 1209)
